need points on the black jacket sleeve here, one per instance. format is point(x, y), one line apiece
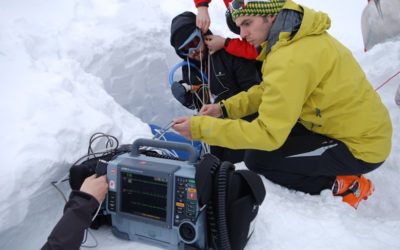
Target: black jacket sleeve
point(182, 95)
point(192, 77)
point(69, 231)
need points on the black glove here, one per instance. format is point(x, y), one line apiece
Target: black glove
point(181, 92)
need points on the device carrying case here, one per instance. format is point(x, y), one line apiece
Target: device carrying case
point(232, 198)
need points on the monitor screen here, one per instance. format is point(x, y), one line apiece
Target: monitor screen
point(144, 196)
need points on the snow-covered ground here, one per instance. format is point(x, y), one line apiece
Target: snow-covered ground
point(377, 28)
point(72, 68)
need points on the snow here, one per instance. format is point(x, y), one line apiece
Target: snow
point(377, 29)
point(73, 68)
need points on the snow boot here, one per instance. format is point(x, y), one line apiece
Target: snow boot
point(353, 189)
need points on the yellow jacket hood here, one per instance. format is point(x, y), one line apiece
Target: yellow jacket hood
point(285, 30)
point(314, 22)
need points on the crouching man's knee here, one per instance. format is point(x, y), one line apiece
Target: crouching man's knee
point(260, 161)
point(250, 160)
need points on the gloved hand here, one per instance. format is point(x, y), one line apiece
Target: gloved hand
point(181, 92)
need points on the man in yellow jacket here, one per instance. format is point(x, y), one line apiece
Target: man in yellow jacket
point(320, 125)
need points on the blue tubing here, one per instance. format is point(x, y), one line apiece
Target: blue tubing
point(181, 64)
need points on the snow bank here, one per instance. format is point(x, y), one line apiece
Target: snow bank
point(50, 104)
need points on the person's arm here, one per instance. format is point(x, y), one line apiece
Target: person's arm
point(214, 43)
point(278, 99)
point(199, 3)
point(240, 48)
point(69, 231)
point(186, 91)
point(78, 212)
point(234, 46)
point(182, 92)
point(203, 18)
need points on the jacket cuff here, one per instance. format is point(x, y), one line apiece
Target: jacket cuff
point(89, 199)
point(201, 3)
point(195, 127)
point(81, 194)
point(227, 40)
point(204, 4)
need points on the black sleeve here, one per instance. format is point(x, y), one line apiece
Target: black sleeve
point(69, 231)
point(247, 72)
point(181, 95)
point(192, 77)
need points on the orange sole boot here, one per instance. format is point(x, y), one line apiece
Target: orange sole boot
point(353, 189)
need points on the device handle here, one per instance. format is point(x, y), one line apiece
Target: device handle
point(164, 144)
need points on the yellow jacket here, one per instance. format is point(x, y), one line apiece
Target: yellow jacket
point(311, 78)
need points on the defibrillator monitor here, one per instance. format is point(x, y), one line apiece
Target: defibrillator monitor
point(155, 199)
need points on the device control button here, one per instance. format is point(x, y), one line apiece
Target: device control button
point(111, 184)
point(192, 196)
point(180, 204)
point(187, 232)
point(111, 207)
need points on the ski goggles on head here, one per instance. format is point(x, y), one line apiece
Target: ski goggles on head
point(194, 42)
point(236, 5)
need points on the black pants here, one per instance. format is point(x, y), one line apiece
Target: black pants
point(227, 154)
point(307, 162)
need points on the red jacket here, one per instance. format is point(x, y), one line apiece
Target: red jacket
point(206, 2)
point(241, 48)
point(235, 46)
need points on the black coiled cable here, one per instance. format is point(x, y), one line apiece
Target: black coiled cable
point(222, 178)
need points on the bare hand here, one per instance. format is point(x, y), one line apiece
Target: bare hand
point(97, 187)
point(213, 110)
point(214, 43)
point(203, 19)
point(182, 126)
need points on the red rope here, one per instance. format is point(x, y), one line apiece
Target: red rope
point(388, 80)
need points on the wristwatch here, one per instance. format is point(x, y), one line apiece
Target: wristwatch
point(223, 110)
